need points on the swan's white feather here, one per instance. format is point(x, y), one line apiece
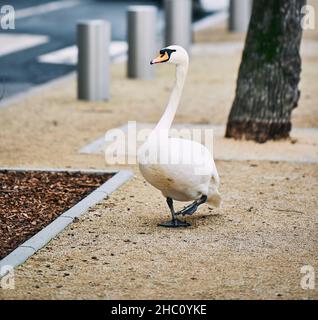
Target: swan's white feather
point(188, 172)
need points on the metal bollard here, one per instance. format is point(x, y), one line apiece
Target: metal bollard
point(141, 41)
point(240, 14)
point(178, 16)
point(93, 40)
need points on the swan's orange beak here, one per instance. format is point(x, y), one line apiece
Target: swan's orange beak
point(161, 58)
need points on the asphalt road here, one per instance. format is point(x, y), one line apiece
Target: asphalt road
point(47, 29)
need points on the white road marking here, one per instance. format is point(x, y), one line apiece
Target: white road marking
point(15, 42)
point(210, 21)
point(212, 5)
point(45, 8)
point(68, 55)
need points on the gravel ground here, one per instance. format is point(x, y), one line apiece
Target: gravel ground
point(252, 247)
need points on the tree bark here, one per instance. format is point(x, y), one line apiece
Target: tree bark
point(267, 85)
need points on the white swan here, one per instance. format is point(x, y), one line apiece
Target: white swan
point(181, 169)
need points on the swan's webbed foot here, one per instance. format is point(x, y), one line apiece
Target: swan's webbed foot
point(174, 223)
point(193, 207)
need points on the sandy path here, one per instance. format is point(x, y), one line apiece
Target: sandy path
point(54, 124)
point(253, 247)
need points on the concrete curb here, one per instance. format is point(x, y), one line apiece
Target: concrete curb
point(39, 240)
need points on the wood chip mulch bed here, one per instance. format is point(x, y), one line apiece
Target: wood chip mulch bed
point(30, 200)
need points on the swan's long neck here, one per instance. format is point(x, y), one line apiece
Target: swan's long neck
point(168, 116)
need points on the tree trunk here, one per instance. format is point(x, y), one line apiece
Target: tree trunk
point(267, 85)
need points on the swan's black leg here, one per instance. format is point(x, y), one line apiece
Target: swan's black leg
point(190, 209)
point(174, 223)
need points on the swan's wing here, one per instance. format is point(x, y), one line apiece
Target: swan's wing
point(194, 154)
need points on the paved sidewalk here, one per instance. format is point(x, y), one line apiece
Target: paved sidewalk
point(252, 247)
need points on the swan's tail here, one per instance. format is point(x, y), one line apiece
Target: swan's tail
point(215, 199)
point(214, 196)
